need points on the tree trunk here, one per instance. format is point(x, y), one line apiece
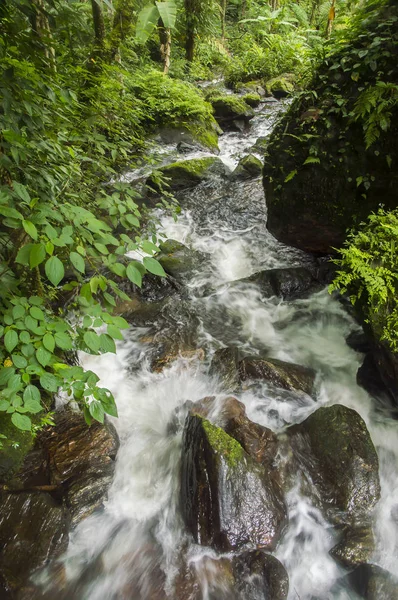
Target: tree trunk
point(99, 27)
point(223, 14)
point(165, 48)
point(41, 28)
point(191, 16)
point(332, 14)
point(122, 21)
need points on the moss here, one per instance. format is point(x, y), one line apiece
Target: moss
point(279, 85)
point(223, 444)
point(194, 166)
point(231, 107)
point(206, 136)
point(252, 99)
point(14, 449)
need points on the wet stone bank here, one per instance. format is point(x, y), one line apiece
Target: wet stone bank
point(246, 462)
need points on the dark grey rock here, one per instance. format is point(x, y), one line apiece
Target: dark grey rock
point(225, 366)
point(288, 376)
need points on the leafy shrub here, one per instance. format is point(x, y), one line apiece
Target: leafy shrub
point(369, 273)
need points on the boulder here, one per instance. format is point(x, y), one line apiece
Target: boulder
point(189, 173)
point(289, 283)
point(358, 341)
point(322, 175)
point(288, 376)
point(356, 546)
point(200, 135)
point(178, 260)
point(279, 87)
point(225, 366)
point(334, 446)
point(251, 87)
point(261, 144)
point(231, 108)
point(373, 583)
point(260, 575)
point(249, 166)
point(228, 500)
point(253, 99)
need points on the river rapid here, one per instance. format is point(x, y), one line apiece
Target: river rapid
point(120, 552)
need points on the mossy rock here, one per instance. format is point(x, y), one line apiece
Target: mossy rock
point(14, 449)
point(252, 99)
point(251, 87)
point(189, 173)
point(249, 166)
point(229, 108)
point(178, 260)
point(229, 500)
point(261, 145)
point(279, 87)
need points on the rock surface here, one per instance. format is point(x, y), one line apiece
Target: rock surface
point(334, 446)
point(288, 376)
point(225, 366)
point(288, 283)
point(249, 166)
point(373, 583)
point(178, 260)
point(189, 173)
point(356, 546)
point(229, 501)
point(230, 108)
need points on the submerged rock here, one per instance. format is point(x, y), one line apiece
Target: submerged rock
point(373, 583)
point(288, 376)
point(260, 575)
point(179, 260)
point(289, 283)
point(334, 446)
point(249, 166)
point(228, 500)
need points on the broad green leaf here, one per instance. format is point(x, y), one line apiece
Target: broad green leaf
point(18, 311)
point(33, 406)
point(168, 13)
point(19, 361)
point(49, 382)
point(30, 229)
point(120, 322)
point(30, 323)
point(107, 343)
point(21, 191)
point(10, 213)
point(77, 261)
point(54, 270)
point(4, 405)
point(146, 22)
point(43, 356)
point(92, 340)
point(153, 266)
point(37, 313)
point(31, 394)
point(5, 375)
point(114, 332)
point(96, 410)
point(63, 340)
point(101, 248)
point(49, 342)
point(23, 255)
point(133, 274)
point(21, 421)
point(10, 340)
point(37, 255)
point(36, 301)
point(118, 269)
point(291, 175)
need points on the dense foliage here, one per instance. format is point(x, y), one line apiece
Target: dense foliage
point(82, 86)
point(369, 273)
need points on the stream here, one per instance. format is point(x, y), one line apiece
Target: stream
point(132, 549)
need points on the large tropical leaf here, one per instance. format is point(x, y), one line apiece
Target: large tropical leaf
point(168, 13)
point(146, 22)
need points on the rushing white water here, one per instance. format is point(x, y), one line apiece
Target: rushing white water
point(132, 548)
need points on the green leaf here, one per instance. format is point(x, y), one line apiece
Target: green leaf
point(77, 261)
point(30, 323)
point(310, 160)
point(37, 313)
point(120, 322)
point(21, 191)
point(118, 269)
point(49, 342)
point(291, 175)
point(92, 340)
point(146, 22)
point(18, 311)
point(31, 394)
point(19, 361)
point(37, 255)
point(4, 405)
point(153, 266)
point(49, 382)
point(96, 410)
point(43, 356)
point(5, 375)
point(23, 255)
point(101, 248)
point(107, 343)
point(115, 332)
point(33, 406)
point(10, 340)
point(168, 13)
point(63, 340)
point(10, 213)
point(21, 421)
point(134, 275)
point(36, 301)
point(54, 270)
point(30, 229)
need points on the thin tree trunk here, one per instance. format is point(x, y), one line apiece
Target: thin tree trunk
point(99, 26)
point(223, 15)
point(331, 17)
point(165, 50)
point(41, 28)
point(191, 16)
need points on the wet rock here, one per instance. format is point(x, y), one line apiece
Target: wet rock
point(356, 546)
point(178, 260)
point(251, 87)
point(387, 365)
point(288, 376)
point(358, 341)
point(260, 575)
point(261, 145)
point(33, 529)
point(249, 166)
point(373, 583)
point(189, 173)
point(230, 108)
point(228, 500)
point(198, 135)
point(334, 446)
point(370, 379)
point(225, 366)
point(289, 283)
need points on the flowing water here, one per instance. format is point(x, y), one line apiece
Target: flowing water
point(133, 547)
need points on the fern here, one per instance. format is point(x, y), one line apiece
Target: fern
point(374, 107)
